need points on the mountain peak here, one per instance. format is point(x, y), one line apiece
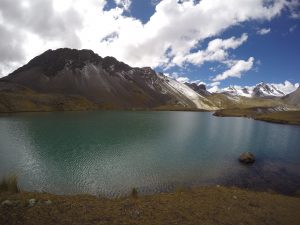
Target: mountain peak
point(52, 61)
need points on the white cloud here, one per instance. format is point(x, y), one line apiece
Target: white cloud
point(214, 84)
point(264, 31)
point(294, 7)
point(216, 51)
point(178, 77)
point(183, 79)
point(173, 31)
point(214, 89)
point(125, 4)
point(236, 69)
point(293, 28)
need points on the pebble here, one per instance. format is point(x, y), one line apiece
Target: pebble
point(234, 197)
point(7, 203)
point(31, 202)
point(48, 202)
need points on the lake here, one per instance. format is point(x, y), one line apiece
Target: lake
point(109, 153)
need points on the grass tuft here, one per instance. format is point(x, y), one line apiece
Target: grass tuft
point(134, 193)
point(9, 184)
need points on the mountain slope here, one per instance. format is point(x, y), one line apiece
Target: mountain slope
point(266, 90)
point(104, 81)
point(293, 98)
point(17, 98)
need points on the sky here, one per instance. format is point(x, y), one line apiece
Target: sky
point(216, 42)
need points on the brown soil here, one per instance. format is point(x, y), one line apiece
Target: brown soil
point(208, 205)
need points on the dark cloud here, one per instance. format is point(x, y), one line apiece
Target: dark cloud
point(10, 49)
point(36, 17)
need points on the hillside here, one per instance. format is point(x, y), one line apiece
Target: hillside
point(104, 81)
point(69, 79)
point(293, 98)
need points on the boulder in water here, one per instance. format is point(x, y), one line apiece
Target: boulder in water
point(247, 158)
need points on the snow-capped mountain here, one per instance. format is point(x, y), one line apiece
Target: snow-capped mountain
point(261, 90)
point(238, 91)
point(266, 90)
point(70, 79)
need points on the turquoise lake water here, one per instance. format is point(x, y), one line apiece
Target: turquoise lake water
point(109, 153)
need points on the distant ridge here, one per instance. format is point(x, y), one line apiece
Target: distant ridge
point(70, 79)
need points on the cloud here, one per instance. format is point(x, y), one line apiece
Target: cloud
point(264, 31)
point(28, 28)
point(214, 89)
point(173, 32)
point(125, 4)
point(214, 84)
point(215, 51)
point(293, 28)
point(183, 79)
point(178, 77)
point(294, 7)
point(236, 70)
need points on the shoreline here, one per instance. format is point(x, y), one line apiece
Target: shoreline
point(204, 205)
point(283, 117)
point(280, 117)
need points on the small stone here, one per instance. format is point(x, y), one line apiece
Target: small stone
point(7, 203)
point(218, 186)
point(31, 202)
point(234, 197)
point(48, 202)
point(247, 158)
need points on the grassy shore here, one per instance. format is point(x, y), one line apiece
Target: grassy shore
point(206, 205)
point(284, 117)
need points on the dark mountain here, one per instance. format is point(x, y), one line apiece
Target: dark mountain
point(103, 81)
point(199, 88)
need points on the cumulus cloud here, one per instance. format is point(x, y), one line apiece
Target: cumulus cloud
point(264, 31)
point(183, 79)
point(28, 28)
point(236, 69)
point(294, 7)
point(214, 84)
point(170, 36)
point(179, 78)
point(124, 3)
point(216, 51)
point(214, 89)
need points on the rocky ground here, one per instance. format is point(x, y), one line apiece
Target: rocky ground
point(207, 205)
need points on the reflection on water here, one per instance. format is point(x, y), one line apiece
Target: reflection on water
point(109, 153)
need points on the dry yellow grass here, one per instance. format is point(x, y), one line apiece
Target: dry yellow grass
point(208, 205)
point(284, 117)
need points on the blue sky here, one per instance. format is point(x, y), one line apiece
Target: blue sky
point(276, 53)
point(220, 43)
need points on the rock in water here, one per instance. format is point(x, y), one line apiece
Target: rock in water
point(247, 158)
